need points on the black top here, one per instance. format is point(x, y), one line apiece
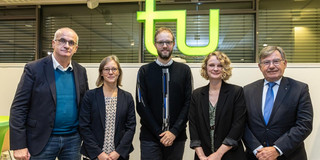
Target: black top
point(149, 100)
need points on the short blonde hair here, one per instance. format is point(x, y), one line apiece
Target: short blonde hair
point(104, 61)
point(225, 62)
point(163, 29)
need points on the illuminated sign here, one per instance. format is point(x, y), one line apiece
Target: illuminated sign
point(150, 16)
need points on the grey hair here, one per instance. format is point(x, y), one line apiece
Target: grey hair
point(58, 32)
point(266, 51)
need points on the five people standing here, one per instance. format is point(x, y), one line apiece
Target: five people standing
point(273, 115)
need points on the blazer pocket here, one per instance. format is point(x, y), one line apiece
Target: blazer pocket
point(32, 123)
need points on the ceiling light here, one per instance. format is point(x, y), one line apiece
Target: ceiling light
point(109, 23)
point(92, 4)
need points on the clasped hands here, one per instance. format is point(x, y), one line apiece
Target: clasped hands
point(112, 156)
point(167, 138)
point(267, 153)
point(213, 156)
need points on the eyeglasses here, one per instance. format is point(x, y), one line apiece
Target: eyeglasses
point(63, 41)
point(165, 42)
point(107, 70)
point(275, 62)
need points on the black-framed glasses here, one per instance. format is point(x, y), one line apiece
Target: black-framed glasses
point(63, 41)
point(107, 70)
point(275, 62)
point(162, 43)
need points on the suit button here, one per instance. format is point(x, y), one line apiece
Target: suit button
point(264, 143)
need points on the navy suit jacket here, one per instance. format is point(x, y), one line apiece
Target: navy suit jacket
point(290, 121)
point(229, 121)
point(92, 123)
point(33, 109)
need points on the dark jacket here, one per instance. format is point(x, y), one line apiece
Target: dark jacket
point(290, 121)
point(33, 109)
point(92, 123)
point(229, 121)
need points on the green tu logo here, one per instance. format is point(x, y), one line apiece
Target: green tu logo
point(150, 16)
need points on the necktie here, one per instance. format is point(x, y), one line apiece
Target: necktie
point(268, 105)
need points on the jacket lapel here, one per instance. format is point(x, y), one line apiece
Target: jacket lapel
point(282, 91)
point(49, 72)
point(221, 101)
point(76, 81)
point(101, 105)
point(120, 106)
point(205, 106)
point(257, 98)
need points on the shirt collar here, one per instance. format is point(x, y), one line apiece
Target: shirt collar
point(161, 64)
point(56, 65)
point(277, 81)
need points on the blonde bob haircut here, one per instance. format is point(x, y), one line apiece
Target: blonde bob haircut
point(104, 61)
point(225, 62)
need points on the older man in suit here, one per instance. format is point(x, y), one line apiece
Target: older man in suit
point(44, 112)
point(279, 111)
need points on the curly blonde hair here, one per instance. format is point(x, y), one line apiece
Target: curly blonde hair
point(225, 62)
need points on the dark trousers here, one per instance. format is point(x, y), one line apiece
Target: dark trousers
point(63, 147)
point(156, 151)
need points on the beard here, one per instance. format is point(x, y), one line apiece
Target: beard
point(163, 56)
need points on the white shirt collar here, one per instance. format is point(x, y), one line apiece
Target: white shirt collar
point(277, 82)
point(56, 65)
point(161, 64)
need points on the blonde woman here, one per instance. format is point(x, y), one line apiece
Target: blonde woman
point(217, 113)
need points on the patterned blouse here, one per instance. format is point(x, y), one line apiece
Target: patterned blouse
point(110, 121)
point(212, 118)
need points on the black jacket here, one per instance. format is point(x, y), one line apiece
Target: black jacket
point(33, 109)
point(229, 121)
point(92, 123)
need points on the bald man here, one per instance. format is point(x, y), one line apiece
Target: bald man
point(44, 112)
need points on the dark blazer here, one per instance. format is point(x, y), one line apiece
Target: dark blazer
point(229, 122)
point(33, 109)
point(290, 121)
point(92, 123)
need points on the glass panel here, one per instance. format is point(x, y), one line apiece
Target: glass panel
point(108, 29)
point(17, 41)
point(296, 31)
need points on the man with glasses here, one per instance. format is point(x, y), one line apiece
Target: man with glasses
point(44, 112)
point(279, 111)
point(163, 95)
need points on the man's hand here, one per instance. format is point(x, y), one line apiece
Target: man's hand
point(167, 138)
point(103, 156)
point(21, 154)
point(114, 155)
point(267, 153)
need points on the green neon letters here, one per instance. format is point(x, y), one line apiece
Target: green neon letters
point(150, 16)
